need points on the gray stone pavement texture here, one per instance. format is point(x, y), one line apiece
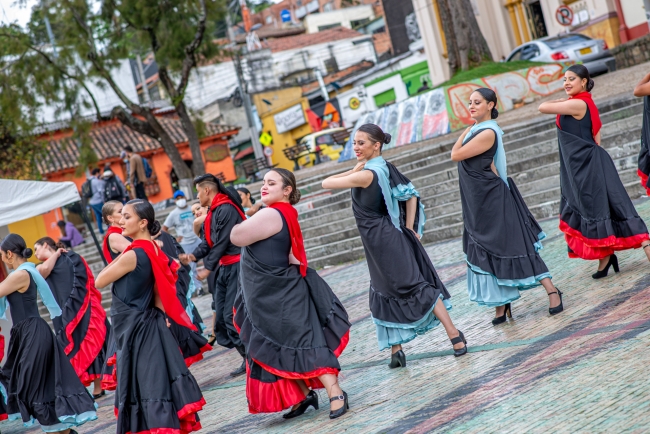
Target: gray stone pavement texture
point(584, 370)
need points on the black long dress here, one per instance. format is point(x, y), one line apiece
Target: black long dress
point(82, 329)
point(155, 390)
point(38, 378)
point(293, 327)
point(596, 213)
point(500, 237)
point(644, 153)
point(404, 285)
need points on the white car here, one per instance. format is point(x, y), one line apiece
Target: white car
point(593, 53)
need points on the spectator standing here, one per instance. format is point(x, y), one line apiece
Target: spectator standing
point(70, 236)
point(96, 201)
point(137, 174)
point(114, 188)
point(182, 220)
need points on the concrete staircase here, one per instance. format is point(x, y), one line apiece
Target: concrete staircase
point(326, 217)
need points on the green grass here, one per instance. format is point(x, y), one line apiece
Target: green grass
point(487, 69)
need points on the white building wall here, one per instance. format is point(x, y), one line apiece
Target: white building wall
point(342, 17)
point(634, 12)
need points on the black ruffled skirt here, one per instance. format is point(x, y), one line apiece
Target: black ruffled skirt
point(155, 391)
point(293, 328)
point(40, 383)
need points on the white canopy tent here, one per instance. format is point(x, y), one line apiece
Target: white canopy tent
point(24, 199)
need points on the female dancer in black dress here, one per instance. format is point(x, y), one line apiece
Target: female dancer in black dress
point(37, 380)
point(642, 89)
point(596, 214)
point(83, 328)
point(291, 323)
point(501, 237)
point(155, 390)
point(407, 298)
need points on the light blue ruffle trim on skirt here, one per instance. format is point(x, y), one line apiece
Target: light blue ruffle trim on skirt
point(65, 423)
point(389, 333)
point(486, 290)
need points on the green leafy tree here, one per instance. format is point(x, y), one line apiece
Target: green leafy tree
point(90, 44)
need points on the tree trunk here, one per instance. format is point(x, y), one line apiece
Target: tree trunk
point(198, 166)
point(479, 49)
point(461, 30)
point(450, 38)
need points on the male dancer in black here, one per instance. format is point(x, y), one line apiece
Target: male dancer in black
point(220, 257)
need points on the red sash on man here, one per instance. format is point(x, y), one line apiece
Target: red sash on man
point(165, 277)
point(596, 123)
point(220, 199)
point(105, 249)
point(297, 244)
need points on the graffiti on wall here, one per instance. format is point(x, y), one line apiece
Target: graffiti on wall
point(516, 87)
point(415, 119)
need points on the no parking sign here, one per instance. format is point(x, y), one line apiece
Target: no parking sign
point(564, 15)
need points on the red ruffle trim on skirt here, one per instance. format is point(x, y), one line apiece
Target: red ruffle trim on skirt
point(2, 347)
point(4, 416)
point(271, 397)
point(109, 381)
point(193, 359)
point(644, 181)
point(589, 248)
point(186, 416)
point(87, 379)
point(311, 378)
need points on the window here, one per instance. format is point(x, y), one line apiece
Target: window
point(529, 52)
point(328, 26)
point(515, 56)
point(561, 41)
point(325, 139)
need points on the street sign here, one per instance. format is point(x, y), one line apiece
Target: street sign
point(354, 103)
point(268, 151)
point(285, 15)
point(564, 15)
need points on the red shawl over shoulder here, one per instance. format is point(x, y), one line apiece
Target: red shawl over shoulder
point(596, 124)
point(297, 244)
point(165, 277)
point(105, 249)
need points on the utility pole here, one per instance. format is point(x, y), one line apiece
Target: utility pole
point(143, 80)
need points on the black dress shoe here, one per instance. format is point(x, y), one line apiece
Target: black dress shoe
point(507, 313)
point(613, 262)
point(239, 371)
point(341, 411)
point(397, 360)
point(99, 395)
point(560, 307)
point(457, 340)
point(310, 399)
point(212, 339)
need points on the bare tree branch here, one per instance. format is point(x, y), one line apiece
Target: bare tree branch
point(190, 61)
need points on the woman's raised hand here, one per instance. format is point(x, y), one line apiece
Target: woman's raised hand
point(359, 167)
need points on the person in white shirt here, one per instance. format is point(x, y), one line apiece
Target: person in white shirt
point(182, 220)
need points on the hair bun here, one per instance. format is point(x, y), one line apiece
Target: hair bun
point(154, 228)
point(495, 113)
point(27, 253)
point(387, 138)
point(294, 197)
point(590, 85)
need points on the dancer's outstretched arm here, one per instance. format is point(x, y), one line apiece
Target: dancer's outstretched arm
point(643, 87)
point(356, 177)
point(478, 145)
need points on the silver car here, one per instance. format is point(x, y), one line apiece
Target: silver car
point(566, 47)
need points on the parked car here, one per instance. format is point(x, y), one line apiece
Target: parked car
point(567, 47)
point(327, 144)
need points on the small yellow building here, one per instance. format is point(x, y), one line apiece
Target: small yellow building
point(284, 116)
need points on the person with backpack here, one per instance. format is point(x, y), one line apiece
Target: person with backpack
point(93, 191)
point(114, 189)
point(137, 172)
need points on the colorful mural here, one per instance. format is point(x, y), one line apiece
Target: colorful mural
point(443, 110)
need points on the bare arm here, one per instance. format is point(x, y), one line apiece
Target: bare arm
point(118, 242)
point(46, 267)
point(476, 146)
point(356, 177)
point(198, 223)
point(123, 264)
point(643, 87)
point(572, 107)
point(16, 281)
point(254, 209)
point(261, 226)
point(411, 209)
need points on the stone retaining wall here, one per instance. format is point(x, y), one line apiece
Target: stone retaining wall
point(632, 53)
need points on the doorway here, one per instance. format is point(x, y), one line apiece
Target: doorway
point(174, 178)
point(536, 19)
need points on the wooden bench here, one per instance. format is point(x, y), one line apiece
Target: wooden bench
point(295, 152)
point(253, 167)
point(341, 137)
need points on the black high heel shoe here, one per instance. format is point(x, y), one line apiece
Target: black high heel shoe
point(310, 399)
point(341, 411)
point(457, 340)
point(99, 395)
point(559, 308)
point(613, 261)
point(501, 319)
point(397, 360)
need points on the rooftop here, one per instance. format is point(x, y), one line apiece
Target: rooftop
point(306, 40)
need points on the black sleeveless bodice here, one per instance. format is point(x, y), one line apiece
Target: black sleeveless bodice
point(61, 279)
point(482, 162)
point(135, 289)
point(112, 253)
point(274, 251)
point(581, 128)
point(371, 197)
point(23, 305)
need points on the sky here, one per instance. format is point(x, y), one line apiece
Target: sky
point(10, 11)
